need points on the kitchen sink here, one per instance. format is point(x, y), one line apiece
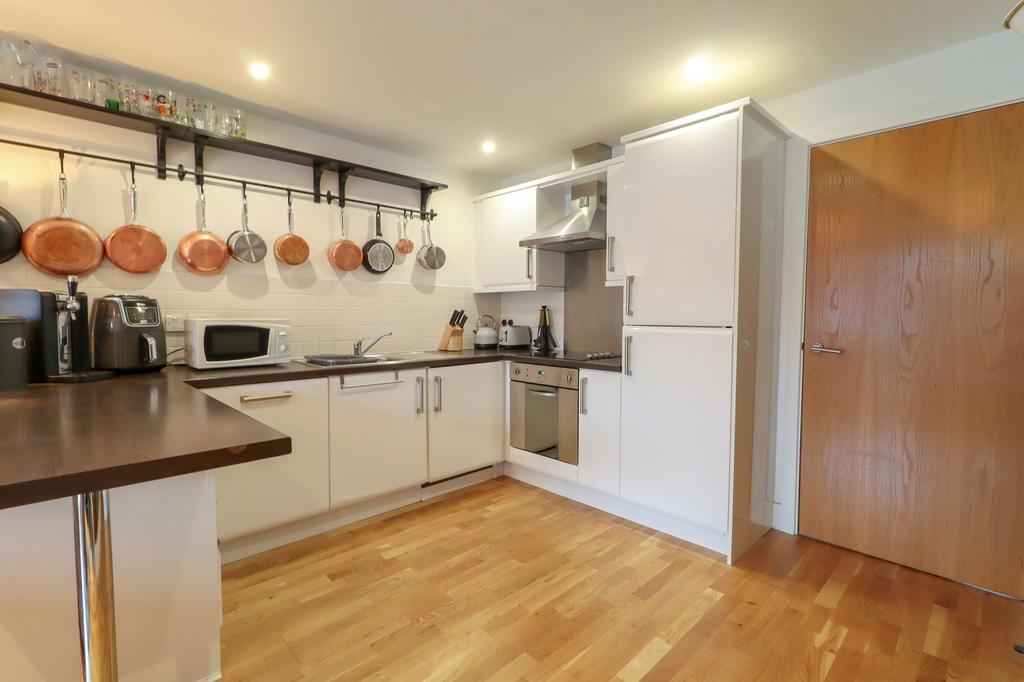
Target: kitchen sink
point(334, 360)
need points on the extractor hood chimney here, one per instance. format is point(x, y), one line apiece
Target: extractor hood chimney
point(584, 228)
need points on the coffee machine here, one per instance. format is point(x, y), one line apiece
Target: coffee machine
point(57, 331)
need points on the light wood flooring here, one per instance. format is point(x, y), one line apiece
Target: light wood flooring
point(505, 581)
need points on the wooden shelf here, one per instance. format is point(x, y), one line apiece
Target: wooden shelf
point(166, 130)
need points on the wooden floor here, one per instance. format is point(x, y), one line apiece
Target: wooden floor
point(504, 581)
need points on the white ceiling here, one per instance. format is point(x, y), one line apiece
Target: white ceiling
point(434, 78)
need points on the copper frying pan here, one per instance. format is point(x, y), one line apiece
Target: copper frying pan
point(291, 249)
point(345, 254)
point(133, 247)
point(62, 246)
point(202, 252)
point(404, 244)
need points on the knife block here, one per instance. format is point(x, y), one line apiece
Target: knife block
point(451, 339)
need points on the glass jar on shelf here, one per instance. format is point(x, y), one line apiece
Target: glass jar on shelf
point(49, 77)
point(239, 126)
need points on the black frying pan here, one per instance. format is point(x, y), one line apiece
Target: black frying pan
point(378, 256)
point(10, 235)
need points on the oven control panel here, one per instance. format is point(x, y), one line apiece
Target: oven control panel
point(562, 377)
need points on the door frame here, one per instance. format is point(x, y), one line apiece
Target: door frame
point(795, 380)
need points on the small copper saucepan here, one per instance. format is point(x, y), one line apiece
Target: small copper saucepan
point(202, 252)
point(345, 254)
point(133, 247)
point(290, 248)
point(62, 246)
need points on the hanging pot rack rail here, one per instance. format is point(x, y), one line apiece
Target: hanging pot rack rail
point(201, 176)
point(203, 139)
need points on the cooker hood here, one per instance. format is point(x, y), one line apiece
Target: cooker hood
point(584, 228)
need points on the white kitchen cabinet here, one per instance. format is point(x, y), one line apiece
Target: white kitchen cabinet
point(616, 225)
point(676, 439)
point(378, 434)
point(502, 265)
point(679, 257)
point(269, 492)
point(599, 430)
point(466, 418)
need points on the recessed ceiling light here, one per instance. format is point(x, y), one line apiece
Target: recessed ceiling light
point(699, 69)
point(259, 71)
point(488, 147)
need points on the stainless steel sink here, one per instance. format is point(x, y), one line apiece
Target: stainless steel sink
point(334, 360)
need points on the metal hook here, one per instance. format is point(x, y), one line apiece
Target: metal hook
point(60, 153)
point(132, 166)
point(289, 199)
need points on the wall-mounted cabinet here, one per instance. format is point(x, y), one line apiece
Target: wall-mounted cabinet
point(616, 225)
point(502, 265)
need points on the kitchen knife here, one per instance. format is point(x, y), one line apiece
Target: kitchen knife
point(462, 322)
point(454, 318)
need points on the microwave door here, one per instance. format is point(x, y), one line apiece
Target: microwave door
point(224, 343)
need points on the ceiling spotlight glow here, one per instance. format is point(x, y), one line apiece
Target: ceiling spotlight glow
point(699, 69)
point(488, 147)
point(259, 71)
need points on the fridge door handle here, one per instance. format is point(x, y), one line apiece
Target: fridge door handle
point(627, 356)
point(628, 295)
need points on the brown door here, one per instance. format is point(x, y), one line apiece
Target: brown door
point(913, 437)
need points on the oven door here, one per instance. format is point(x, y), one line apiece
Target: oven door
point(234, 343)
point(545, 421)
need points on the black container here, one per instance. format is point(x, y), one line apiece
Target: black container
point(14, 360)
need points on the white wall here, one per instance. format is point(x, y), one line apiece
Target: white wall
point(972, 75)
point(328, 308)
point(166, 585)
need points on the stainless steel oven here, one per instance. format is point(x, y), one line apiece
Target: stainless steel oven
point(545, 411)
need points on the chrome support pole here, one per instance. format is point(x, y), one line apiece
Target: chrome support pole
point(94, 569)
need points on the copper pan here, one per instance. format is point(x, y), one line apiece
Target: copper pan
point(133, 247)
point(345, 254)
point(62, 246)
point(290, 248)
point(202, 252)
point(404, 244)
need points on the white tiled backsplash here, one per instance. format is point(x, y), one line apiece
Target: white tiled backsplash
point(326, 315)
point(524, 308)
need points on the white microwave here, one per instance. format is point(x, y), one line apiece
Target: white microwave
point(212, 343)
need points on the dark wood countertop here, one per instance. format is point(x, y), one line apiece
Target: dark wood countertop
point(63, 439)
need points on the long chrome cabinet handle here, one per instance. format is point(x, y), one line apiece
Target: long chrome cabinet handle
point(265, 396)
point(419, 395)
point(583, 395)
point(628, 294)
point(529, 264)
point(818, 348)
point(609, 261)
point(341, 383)
point(438, 404)
point(627, 364)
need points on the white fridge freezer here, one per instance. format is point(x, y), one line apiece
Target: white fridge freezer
point(677, 421)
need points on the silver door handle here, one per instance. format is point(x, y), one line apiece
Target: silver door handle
point(628, 295)
point(547, 394)
point(583, 395)
point(419, 395)
point(438, 404)
point(818, 348)
point(529, 264)
point(609, 261)
point(341, 383)
point(150, 348)
point(628, 359)
point(265, 396)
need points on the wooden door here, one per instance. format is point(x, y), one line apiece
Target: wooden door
point(378, 434)
point(680, 213)
point(913, 437)
point(466, 418)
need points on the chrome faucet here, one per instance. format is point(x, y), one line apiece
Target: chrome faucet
point(357, 347)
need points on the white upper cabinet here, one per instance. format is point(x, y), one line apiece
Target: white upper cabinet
point(679, 255)
point(676, 414)
point(502, 265)
point(599, 430)
point(378, 434)
point(466, 407)
point(616, 225)
point(269, 492)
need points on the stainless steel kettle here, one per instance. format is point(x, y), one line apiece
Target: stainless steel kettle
point(485, 335)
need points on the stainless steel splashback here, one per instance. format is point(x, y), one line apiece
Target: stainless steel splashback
point(593, 312)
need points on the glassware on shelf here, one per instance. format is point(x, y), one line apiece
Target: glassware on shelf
point(108, 92)
point(239, 128)
point(49, 77)
point(129, 96)
point(82, 86)
point(147, 101)
point(21, 55)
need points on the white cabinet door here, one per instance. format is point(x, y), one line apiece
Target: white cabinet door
point(466, 407)
point(616, 217)
point(677, 422)
point(504, 220)
point(258, 495)
point(679, 257)
point(599, 430)
point(378, 434)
